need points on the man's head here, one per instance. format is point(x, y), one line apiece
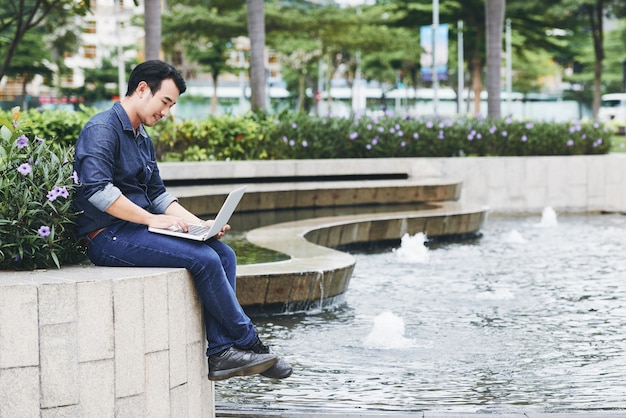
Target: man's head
point(153, 88)
point(153, 72)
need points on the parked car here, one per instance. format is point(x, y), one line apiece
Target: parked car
point(613, 111)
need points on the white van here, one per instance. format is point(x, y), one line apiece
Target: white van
point(613, 110)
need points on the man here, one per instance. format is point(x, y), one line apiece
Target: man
point(122, 194)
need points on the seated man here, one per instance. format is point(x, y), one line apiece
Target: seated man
point(122, 194)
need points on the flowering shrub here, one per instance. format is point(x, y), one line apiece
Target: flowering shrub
point(37, 227)
point(300, 136)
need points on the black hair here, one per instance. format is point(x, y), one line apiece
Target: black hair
point(153, 72)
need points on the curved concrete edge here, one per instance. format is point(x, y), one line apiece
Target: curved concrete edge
point(315, 272)
point(94, 341)
point(204, 199)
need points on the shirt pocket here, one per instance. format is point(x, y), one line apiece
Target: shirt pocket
point(146, 174)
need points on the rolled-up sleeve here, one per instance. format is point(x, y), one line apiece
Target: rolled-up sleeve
point(160, 204)
point(102, 199)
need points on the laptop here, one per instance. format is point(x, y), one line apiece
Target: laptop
point(203, 233)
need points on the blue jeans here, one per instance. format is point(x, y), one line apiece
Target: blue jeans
point(212, 265)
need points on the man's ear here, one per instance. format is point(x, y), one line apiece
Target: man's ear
point(142, 87)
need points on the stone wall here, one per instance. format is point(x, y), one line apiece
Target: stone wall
point(505, 184)
point(102, 342)
point(528, 184)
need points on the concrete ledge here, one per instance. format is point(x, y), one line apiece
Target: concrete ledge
point(93, 341)
point(588, 183)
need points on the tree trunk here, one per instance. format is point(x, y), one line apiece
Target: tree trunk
point(597, 28)
point(477, 83)
point(256, 32)
point(494, 16)
point(301, 93)
point(152, 28)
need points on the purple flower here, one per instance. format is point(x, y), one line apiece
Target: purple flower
point(441, 134)
point(305, 144)
point(570, 142)
point(292, 142)
point(403, 144)
point(381, 129)
point(22, 141)
point(368, 147)
point(285, 139)
point(375, 141)
point(584, 136)
point(39, 139)
point(479, 136)
point(492, 129)
point(505, 133)
point(369, 126)
point(416, 135)
point(52, 195)
point(429, 124)
point(294, 125)
point(529, 125)
point(75, 177)
point(44, 231)
point(25, 169)
point(354, 135)
point(508, 121)
point(400, 133)
point(61, 191)
point(524, 138)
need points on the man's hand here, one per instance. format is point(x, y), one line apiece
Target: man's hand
point(220, 234)
point(169, 222)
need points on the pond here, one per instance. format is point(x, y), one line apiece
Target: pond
point(529, 317)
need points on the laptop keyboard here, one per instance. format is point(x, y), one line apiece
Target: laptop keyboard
point(197, 229)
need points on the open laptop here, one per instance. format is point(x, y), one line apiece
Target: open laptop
point(203, 233)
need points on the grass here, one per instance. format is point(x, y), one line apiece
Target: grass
point(618, 143)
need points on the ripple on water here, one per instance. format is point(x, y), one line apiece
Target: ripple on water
point(533, 319)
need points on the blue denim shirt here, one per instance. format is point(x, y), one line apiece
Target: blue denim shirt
point(110, 161)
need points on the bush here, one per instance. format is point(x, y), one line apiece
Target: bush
point(300, 136)
point(37, 228)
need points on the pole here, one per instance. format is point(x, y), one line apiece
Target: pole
point(435, 75)
point(509, 68)
point(461, 69)
point(121, 71)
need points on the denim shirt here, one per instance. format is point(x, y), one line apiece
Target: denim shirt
point(110, 161)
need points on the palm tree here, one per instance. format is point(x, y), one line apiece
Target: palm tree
point(494, 16)
point(256, 32)
point(152, 28)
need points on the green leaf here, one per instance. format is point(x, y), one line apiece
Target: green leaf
point(5, 133)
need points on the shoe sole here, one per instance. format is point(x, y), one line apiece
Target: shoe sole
point(247, 370)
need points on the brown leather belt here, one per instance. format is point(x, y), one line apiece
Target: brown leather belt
point(91, 235)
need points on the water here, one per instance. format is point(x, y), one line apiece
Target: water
point(528, 318)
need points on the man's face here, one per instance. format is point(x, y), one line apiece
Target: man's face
point(152, 107)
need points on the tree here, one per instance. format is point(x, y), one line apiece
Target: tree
point(256, 33)
point(17, 17)
point(30, 61)
point(494, 15)
point(204, 30)
point(152, 28)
